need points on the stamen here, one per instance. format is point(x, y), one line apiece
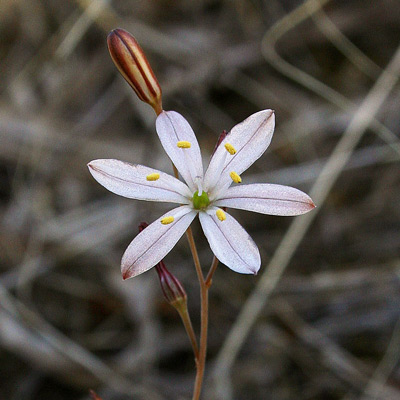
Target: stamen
point(230, 149)
point(235, 177)
point(167, 220)
point(153, 177)
point(183, 144)
point(221, 215)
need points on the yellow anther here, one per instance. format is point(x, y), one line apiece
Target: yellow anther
point(230, 149)
point(153, 177)
point(235, 177)
point(221, 215)
point(183, 144)
point(167, 220)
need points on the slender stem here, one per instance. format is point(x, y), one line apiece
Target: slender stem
point(201, 360)
point(184, 313)
point(210, 274)
point(201, 363)
point(204, 287)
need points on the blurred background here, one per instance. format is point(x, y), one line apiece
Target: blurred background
point(320, 321)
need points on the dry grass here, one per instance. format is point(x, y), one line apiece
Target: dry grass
point(321, 319)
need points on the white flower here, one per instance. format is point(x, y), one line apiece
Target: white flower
point(203, 194)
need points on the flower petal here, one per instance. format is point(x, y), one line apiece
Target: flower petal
point(230, 243)
point(267, 199)
point(171, 129)
point(155, 242)
point(136, 182)
point(249, 140)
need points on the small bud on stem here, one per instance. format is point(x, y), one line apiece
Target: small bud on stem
point(132, 63)
point(174, 292)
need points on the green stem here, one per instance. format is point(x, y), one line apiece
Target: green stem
point(184, 314)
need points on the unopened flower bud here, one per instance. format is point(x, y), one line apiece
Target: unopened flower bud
point(222, 136)
point(173, 291)
point(132, 63)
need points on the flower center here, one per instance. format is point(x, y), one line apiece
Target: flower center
point(200, 202)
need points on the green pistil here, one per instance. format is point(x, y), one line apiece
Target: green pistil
point(200, 202)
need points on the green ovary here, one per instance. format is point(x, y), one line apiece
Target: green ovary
point(200, 202)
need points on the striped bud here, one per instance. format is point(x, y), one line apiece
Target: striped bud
point(132, 63)
point(172, 289)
